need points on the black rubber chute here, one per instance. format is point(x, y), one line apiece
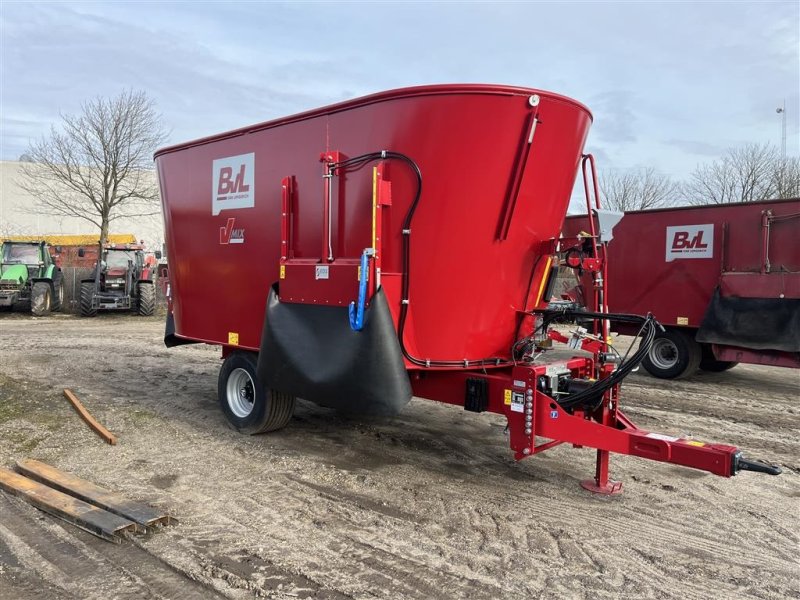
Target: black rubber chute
point(757, 323)
point(311, 352)
point(170, 339)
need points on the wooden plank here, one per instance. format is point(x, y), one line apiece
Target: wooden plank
point(93, 494)
point(90, 420)
point(81, 514)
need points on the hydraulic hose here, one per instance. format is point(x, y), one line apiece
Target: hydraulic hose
point(359, 161)
point(592, 397)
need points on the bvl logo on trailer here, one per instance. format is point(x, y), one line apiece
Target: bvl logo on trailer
point(690, 241)
point(233, 183)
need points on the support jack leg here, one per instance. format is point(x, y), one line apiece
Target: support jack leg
point(601, 484)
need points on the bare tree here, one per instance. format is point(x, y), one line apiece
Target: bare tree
point(787, 178)
point(9, 229)
point(98, 167)
point(744, 174)
point(637, 189)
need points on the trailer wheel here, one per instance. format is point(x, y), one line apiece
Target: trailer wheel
point(249, 406)
point(146, 293)
point(710, 363)
point(87, 292)
point(41, 298)
point(673, 355)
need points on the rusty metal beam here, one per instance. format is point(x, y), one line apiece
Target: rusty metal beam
point(81, 514)
point(90, 420)
point(87, 491)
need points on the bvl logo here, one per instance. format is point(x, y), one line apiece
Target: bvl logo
point(233, 184)
point(230, 235)
point(690, 241)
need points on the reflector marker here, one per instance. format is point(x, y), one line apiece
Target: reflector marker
point(544, 281)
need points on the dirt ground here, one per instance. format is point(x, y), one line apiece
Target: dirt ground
point(429, 504)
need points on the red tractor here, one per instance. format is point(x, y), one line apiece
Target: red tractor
point(122, 280)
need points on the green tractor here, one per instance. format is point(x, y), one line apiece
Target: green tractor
point(29, 280)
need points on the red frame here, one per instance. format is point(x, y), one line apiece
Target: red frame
point(606, 429)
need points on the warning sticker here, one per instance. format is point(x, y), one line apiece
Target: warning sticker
point(233, 338)
point(683, 320)
point(507, 397)
point(698, 444)
point(660, 436)
point(518, 402)
point(283, 271)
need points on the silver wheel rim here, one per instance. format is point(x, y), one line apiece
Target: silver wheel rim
point(240, 393)
point(664, 354)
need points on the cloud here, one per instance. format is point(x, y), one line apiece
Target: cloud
point(615, 121)
point(648, 71)
point(698, 147)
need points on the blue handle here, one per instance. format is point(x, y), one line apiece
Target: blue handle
point(357, 312)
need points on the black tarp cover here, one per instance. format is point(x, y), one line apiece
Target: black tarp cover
point(756, 323)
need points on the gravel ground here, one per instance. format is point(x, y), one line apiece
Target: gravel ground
point(429, 504)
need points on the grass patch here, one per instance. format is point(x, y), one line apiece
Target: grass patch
point(28, 403)
point(141, 417)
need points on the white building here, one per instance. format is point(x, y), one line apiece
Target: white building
point(16, 217)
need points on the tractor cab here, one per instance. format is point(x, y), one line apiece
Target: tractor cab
point(29, 280)
point(30, 254)
point(121, 266)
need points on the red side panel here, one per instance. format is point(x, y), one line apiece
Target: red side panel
point(669, 261)
point(483, 173)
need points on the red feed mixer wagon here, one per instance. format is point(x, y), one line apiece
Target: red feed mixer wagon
point(723, 280)
point(403, 244)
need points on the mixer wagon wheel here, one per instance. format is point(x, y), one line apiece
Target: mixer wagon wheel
point(249, 406)
point(673, 355)
point(710, 363)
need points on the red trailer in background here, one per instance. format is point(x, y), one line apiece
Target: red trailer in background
point(723, 280)
point(309, 249)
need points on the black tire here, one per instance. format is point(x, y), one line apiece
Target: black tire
point(87, 292)
point(708, 362)
point(58, 297)
point(249, 406)
point(146, 293)
point(674, 355)
point(41, 299)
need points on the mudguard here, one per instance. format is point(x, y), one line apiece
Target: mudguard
point(311, 352)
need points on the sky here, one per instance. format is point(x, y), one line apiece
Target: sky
point(670, 84)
